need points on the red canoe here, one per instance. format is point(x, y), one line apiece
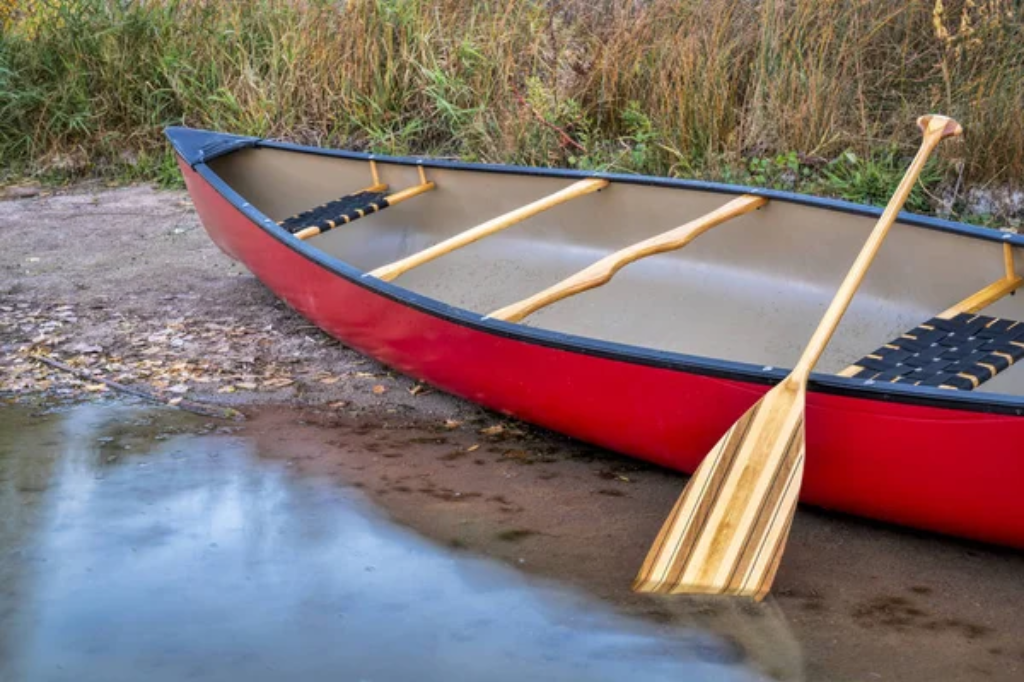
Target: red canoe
point(917, 413)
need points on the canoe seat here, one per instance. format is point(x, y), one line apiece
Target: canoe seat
point(959, 353)
point(338, 212)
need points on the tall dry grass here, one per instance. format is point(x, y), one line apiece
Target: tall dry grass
point(808, 93)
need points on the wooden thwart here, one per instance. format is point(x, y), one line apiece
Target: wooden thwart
point(984, 298)
point(727, 531)
point(603, 270)
point(974, 303)
point(578, 189)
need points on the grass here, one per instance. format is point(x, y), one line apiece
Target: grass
point(802, 94)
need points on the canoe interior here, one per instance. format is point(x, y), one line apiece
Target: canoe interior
point(750, 290)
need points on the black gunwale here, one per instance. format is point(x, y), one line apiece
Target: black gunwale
point(221, 143)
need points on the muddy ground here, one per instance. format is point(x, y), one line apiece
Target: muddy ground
point(125, 284)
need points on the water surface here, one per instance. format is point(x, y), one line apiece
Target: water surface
point(142, 544)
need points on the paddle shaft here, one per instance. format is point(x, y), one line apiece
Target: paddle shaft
point(935, 129)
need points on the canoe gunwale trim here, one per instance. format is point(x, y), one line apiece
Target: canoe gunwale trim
point(839, 205)
point(992, 403)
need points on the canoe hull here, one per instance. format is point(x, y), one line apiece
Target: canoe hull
point(952, 471)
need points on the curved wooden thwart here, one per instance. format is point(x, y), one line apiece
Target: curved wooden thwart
point(392, 270)
point(603, 270)
point(728, 529)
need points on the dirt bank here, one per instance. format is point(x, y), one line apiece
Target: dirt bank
point(125, 282)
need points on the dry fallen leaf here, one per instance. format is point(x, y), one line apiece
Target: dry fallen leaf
point(280, 382)
point(226, 389)
point(246, 386)
point(417, 389)
point(337, 405)
point(452, 423)
point(378, 389)
point(330, 380)
point(473, 448)
point(95, 388)
point(493, 430)
point(174, 401)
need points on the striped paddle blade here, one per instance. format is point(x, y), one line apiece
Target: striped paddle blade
point(727, 530)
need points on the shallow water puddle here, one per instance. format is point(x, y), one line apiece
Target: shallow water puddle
point(139, 544)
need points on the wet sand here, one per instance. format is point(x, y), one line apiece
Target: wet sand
point(853, 600)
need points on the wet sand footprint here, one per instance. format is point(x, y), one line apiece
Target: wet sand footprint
point(610, 492)
point(516, 534)
point(900, 613)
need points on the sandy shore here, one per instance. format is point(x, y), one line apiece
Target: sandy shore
point(125, 283)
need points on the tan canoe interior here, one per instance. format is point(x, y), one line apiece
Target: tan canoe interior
point(751, 290)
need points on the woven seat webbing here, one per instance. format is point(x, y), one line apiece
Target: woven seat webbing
point(960, 353)
point(338, 212)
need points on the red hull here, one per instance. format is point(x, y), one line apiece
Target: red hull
point(947, 470)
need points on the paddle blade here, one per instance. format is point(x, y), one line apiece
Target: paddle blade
point(728, 529)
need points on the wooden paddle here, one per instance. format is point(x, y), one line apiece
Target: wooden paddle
point(728, 529)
